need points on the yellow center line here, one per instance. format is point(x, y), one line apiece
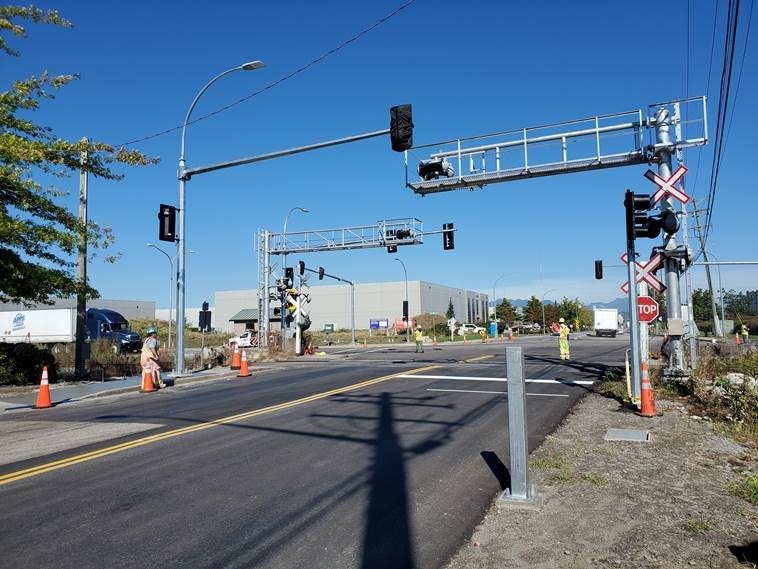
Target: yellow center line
point(70, 461)
point(478, 358)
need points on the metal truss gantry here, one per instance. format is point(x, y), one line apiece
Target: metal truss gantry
point(603, 141)
point(385, 233)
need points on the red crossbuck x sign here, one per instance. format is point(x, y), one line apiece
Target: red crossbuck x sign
point(667, 186)
point(645, 272)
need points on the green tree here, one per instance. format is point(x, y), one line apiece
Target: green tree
point(701, 304)
point(573, 311)
point(39, 238)
point(737, 304)
point(533, 310)
point(552, 314)
point(450, 310)
point(505, 312)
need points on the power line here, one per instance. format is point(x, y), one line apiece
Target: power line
point(278, 82)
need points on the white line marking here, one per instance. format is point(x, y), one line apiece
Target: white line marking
point(504, 379)
point(499, 392)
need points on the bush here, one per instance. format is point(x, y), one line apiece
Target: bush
point(21, 364)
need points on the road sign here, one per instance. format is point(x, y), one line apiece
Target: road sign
point(645, 272)
point(647, 308)
point(667, 186)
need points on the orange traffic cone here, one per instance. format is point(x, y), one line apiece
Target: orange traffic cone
point(147, 380)
point(244, 370)
point(236, 362)
point(737, 339)
point(647, 404)
point(43, 396)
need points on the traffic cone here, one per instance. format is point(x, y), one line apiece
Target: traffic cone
point(236, 362)
point(244, 370)
point(43, 396)
point(147, 380)
point(737, 339)
point(647, 404)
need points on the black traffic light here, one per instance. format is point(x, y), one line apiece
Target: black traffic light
point(289, 276)
point(277, 311)
point(321, 273)
point(598, 269)
point(448, 236)
point(204, 318)
point(167, 223)
point(405, 311)
point(301, 267)
point(401, 127)
point(392, 249)
point(205, 306)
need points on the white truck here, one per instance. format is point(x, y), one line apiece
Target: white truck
point(248, 339)
point(606, 321)
point(57, 326)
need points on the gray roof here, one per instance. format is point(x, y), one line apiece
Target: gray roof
point(245, 315)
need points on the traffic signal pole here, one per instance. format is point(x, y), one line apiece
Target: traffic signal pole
point(634, 321)
point(675, 368)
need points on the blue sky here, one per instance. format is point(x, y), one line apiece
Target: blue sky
point(467, 69)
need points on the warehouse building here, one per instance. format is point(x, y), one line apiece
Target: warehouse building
point(236, 310)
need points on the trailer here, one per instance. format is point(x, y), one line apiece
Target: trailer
point(606, 321)
point(57, 326)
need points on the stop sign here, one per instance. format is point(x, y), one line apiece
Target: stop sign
point(647, 308)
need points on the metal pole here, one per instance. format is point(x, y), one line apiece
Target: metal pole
point(408, 322)
point(675, 367)
point(183, 176)
point(284, 269)
point(81, 298)
point(298, 331)
point(634, 328)
point(352, 312)
point(717, 325)
point(521, 490)
point(264, 300)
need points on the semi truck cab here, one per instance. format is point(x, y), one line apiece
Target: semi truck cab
point(110, 325)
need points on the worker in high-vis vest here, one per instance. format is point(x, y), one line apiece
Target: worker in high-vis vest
point(563, 341)
point(419, 337)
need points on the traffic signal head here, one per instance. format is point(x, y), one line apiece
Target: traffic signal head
point(448, 236)
point(321, 273)
point(301, 267)
point(289, 276)
point(401, 128)
point(205, 306)
point(638, 224)
point(405, 311)
point(167, 223)
point(598, 269)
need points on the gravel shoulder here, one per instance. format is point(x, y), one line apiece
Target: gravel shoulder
point(662, 503)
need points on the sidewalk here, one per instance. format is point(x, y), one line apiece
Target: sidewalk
point(13, 399)
point(617, 504)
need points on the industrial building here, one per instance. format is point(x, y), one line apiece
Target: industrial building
point(236, 310)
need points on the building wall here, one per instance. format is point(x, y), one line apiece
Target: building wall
point(330, 304)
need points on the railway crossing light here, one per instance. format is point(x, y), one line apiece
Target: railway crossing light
point(401, 128)
point(448, 236)
point(301, 267)
point(434, 168)
point(289, 276)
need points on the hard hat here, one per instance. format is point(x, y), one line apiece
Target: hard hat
point(561, 320)
point(151, 330)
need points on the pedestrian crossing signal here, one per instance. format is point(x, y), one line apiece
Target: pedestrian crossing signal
point(167, 223)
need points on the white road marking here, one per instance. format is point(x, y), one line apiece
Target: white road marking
point(503, 379)
point(499, 392)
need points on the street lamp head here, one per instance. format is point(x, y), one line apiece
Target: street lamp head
point(252, 65)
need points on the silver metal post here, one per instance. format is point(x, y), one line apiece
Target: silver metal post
point(183, 176)
point(352, 312)
point(284, 270)
point(521, 490)
point(634, 322)
point(81, 298)
point(408, 322)
point(264, 300)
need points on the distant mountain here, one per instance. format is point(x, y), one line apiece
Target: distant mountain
point(516, 302)
point(621, 304)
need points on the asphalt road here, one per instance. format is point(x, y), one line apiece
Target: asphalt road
point(340, 462)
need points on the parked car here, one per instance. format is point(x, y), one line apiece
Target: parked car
point(464, 329)
point(248, 339)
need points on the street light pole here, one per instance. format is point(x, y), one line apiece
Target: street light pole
point(181, 236)
point(284, 262)
point(542, 304)
point(170, 286)
point(408, 321)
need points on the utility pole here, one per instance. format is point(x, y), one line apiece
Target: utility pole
point(81, 300)
point(717, 324)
